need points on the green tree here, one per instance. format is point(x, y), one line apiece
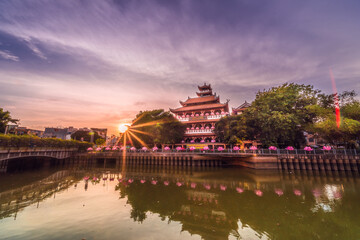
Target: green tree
point(325, 126)
point(100, 141)
point(280, 115)
point(85, 136)
point(5, 119)
point(158, 127)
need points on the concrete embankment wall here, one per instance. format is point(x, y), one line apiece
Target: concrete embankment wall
point(303, 162)
point(318, 162)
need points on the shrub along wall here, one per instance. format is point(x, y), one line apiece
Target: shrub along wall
point(15, 141)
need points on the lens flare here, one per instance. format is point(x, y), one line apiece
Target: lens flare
point(123, 127)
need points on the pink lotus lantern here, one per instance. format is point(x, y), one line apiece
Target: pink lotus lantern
point(114, 148)
point(253, 148)
point(337, 195)
point(197, 115)
point(212, 127)
point(192, 141)
point(182, 141)
point(133, 149)
point(213, 140)
point(95, 179)
point(202, 141)
point(239, 190)
point(220, 149)
point(236, 148)
point(206, 148)
point(179, 184)
point(197, 128)
point(222, 113)
point(120, 180)
point(178, 148)
point(290, 148)
point(193, 185)
point(192, 148)
point(212, 114)
point(222, 187)
point(207, 127)
point(90, 149)
point(206, 114)
point(155, 148)
point(142, 181)
point(187, 128)
point(122, 148)
point(153, 182)
point(308, 149)
point(217, 113)
point(326, 148)
point(192, 115)
point(279, 192)
point(98, 149)
point(166, 183)
point(316, 192)
point(258, 192)
point(130, 180)
point(202, 128)
point(166, 148)
point(207, 186)
point(227, 113)
point(107, 149)
point(144, 148)
point(86, 178)
point(272, 148)
point(192, 128)
point(297, 192)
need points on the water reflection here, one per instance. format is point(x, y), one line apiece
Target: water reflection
point(206, 203)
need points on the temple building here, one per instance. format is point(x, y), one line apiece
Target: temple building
point(240, 109)
point(200, 115)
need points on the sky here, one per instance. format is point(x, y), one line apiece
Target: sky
point(98, 63)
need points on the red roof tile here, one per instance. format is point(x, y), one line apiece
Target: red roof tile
point(200, 107)
point(201, 99)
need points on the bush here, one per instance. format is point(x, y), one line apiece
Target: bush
point(15, 141)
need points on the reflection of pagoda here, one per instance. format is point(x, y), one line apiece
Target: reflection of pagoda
point(200, 115)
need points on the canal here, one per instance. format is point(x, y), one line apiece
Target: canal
point(82, 201)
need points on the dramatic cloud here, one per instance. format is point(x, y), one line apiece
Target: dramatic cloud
point(96, 63)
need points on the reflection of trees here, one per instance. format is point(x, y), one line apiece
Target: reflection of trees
point(278, 217)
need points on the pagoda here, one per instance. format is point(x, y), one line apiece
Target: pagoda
point(240, 109)
point(200, 115)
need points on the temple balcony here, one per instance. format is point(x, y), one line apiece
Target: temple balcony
point(200, 118)
point(194, 131)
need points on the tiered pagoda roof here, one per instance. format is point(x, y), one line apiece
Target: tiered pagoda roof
point(205, 100)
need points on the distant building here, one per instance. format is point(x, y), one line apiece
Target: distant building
point(62, 133)
point(313, 140)
point(26, 131)
point(240, 109)
point(102, 132)
point(200, 115)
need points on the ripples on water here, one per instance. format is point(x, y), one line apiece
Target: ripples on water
point(149, 202)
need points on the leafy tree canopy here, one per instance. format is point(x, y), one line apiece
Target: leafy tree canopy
point(157, 127)
point(279, 116)
point(5, 119)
